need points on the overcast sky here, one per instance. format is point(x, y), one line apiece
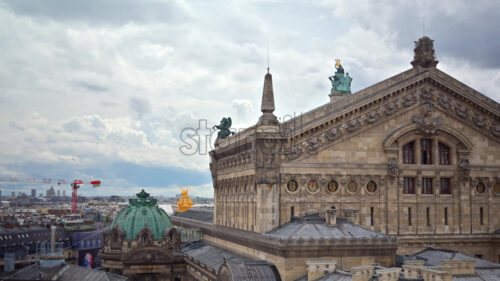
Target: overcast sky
point(103, 89)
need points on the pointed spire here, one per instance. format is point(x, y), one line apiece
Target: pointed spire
point(267, 107)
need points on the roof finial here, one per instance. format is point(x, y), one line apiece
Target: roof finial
point(267, 58)
point(267, 107)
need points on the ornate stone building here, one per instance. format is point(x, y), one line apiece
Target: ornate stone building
point(142, 245)
point(417, 155)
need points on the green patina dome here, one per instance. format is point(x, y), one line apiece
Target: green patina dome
point(142, 212)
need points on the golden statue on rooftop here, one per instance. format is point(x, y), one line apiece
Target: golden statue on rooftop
point(185, 202)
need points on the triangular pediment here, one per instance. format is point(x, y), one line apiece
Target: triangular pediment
point(382, 102)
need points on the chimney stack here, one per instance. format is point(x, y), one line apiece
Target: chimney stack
point(53, 239)
point(331, 216)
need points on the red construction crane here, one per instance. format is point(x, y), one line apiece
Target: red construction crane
point(76, 185)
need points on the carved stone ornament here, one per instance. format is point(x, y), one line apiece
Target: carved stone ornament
point(429, 123)
point(352, 125)
point(409, 100)
point(444, 101)
point(312, 145)
point(426, 93)
point(495, 130)
point(464, 169)
point(332, 134)
point(293, 153)
point(372, 117)
point(461, 111)
point(148, 255)
point(391, 108)
point(392, 168)
point(478, 120)
point(424, 53)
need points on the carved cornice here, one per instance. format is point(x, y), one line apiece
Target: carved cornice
point(312, 140)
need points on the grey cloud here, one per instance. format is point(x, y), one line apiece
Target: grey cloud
point(90, 86)
point(463, 29)
point(139, 106)
point(109, 12)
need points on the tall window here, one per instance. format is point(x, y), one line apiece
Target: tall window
point(409, 215)
point(292, 212)
point(372, 211)
point(409, 153)
point(445, 215)
point(427, 186)
point(428, 215)
point(444, 154)
point(445, 186)
point(481, 215)
point(408, 185)
point(426, 149)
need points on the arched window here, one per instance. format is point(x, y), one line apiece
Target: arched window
point(444, 154)
point(409, 153)
point(426, 149)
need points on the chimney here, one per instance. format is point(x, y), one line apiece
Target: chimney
point(267, 107)
point(362, 273)
point(388, 274)
point(53, 239)
point(351, 215)
point(318, 269)
point(331, 216)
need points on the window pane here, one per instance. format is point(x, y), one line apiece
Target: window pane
point(408, 153)
point(444, 154)
point(427, 186)
point(408, 185)
point(445, 186)
point(426, 148)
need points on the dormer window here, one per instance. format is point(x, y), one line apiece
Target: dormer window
point(409, 153)
point(426, 149)
point(444, 154)
point(145, 238)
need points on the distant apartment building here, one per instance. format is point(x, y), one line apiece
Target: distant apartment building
point(33, 193)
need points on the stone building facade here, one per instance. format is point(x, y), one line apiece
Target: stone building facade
point(418, 155)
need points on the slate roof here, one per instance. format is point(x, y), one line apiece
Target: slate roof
point(241, 267)
point(65, 272)
point(211, 256)
point(253, 270)
point(25, 235)
point(433, 257)
point(199, 214)
point(315, 227)
point(485, 270)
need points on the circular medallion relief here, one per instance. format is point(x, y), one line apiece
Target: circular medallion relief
point(480, 187)
point(332, 186)
point(496, 188)
point(371, 187)
point(292, 186)
point(312, 186)
point(352, 186)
